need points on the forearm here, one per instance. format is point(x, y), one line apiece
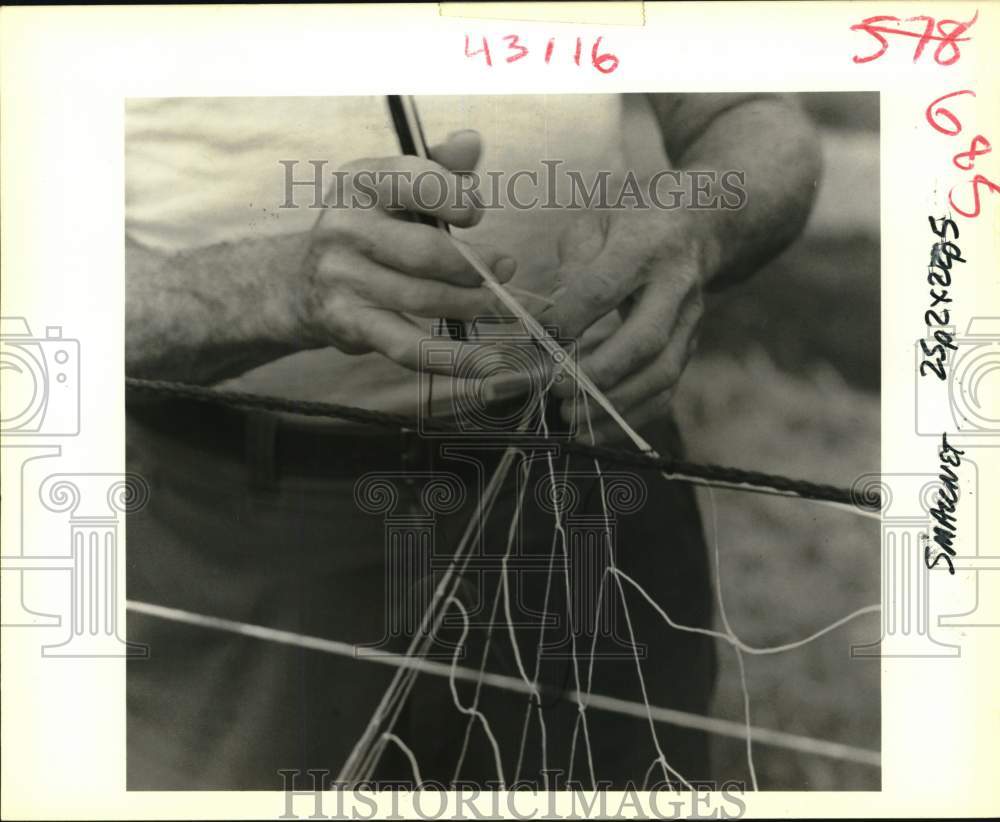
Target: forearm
point(212, 313)
point(770, 140)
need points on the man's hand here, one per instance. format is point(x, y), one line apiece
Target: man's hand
point(353, 282)
point(652, 267)
point(368, 267)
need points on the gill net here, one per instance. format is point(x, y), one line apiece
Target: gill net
point(362, 763)
point(383, 732)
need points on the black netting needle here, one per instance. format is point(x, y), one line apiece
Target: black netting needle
point(411, 142)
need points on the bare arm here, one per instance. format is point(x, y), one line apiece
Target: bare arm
point(351, 283)
point(654, 264)
point(211, 313)
point(771, 140)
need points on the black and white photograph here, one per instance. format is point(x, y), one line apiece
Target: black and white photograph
point(499, 410)
point(504, 441)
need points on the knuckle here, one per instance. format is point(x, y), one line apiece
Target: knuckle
point(397, 351)
point(418, 296)
point(339, 230)
point(340, 227)
point(647, 345)
point(331, 266)
point(463, 215)
point(340, 308)
point(670, 373)
point(599, 289)
point(352, 167)
point(697, 310)
point(424, 253)
point(339, 319)
point(602, 375)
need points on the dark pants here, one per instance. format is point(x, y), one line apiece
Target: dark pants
point(266, 523)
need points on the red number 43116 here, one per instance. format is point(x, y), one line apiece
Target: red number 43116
point(514, 50)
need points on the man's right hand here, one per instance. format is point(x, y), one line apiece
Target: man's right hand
point(366, 268)
point(353, 282)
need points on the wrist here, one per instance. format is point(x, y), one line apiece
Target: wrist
point(705, 230)
point(287, 312)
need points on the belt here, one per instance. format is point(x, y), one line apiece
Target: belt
point(276, 445)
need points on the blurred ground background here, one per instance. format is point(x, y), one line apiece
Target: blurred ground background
point(787, 381)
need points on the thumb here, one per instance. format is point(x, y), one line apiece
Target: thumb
point(460, 152)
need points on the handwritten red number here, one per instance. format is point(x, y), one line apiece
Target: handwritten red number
point(956, 125)
point(979, 145)
point(604, 63)
point(514, 43)
point(976, 181)
point(868, 25)
point(949, 38)
point(925, 38)
point(485, 50)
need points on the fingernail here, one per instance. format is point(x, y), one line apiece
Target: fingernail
point(462, 132)
point(505, 267)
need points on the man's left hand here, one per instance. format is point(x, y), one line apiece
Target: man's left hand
point(652, 267)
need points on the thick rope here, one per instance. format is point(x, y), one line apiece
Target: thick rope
point(678, 470)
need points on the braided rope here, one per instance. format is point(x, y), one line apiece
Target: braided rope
point(679, 470)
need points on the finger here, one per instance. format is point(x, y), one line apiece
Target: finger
point(664, 308)
point(407, 344)
point(649, 328)
point(390, 289)
point(653, 379)
point(664, 370)
point(460, 152)
point(588, 296)
point(419, 250)
point(416, 185)
point(609, 433)
point(583, 239)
